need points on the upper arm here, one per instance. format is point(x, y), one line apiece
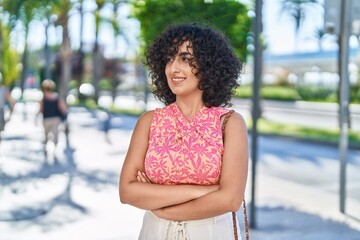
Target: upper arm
point(41, 106)
point(235, 158)
point(134, 159)
point(62, 105)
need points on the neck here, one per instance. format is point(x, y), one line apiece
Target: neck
point(189, 108)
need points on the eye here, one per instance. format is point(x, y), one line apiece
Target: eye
point(170, 59)
point(185, 59)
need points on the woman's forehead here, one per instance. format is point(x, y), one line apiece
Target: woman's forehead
point(185, 47)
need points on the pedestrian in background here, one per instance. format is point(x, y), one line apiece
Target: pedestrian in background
point(183, 165)
point(5, 98)
point(53, 110)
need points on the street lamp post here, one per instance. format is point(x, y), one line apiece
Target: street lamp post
point(339, 16)
point(255, 105)
point(345, 27)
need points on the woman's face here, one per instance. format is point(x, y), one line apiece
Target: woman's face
point(180, 75)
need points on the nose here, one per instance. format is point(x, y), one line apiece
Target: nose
point(175, 66)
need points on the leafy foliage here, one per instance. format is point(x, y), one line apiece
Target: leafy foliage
point(315, 93)
point(231, 17)
point(9, 58)
point(306, 133)
point(355, 93)
point(272, 92)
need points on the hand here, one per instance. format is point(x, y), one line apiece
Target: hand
point(142, 178)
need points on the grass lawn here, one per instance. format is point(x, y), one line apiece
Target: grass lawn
point(305, 133)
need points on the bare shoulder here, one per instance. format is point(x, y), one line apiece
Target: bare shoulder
point(146, 116)
point(235, 122)
point(237, 117)
point(145, 119)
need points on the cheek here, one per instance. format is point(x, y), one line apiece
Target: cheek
point(193, 77)
point(167, 70)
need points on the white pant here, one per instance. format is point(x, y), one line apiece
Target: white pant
point(216, 228)
point(51, 126)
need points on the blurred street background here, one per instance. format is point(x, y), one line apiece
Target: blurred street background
point(300, 96)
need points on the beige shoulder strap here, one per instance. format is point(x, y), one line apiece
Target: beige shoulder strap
point(226, 118)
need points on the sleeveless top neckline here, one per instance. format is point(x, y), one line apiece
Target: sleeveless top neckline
point(182, 151)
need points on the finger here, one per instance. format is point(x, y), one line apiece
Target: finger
point(146, 177)
point(141, 177)
point(138, 179)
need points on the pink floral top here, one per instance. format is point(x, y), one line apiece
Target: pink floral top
point(182, 151)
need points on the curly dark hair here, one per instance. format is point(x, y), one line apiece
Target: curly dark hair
point(217, 66)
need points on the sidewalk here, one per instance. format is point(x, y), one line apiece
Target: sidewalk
point(78, 197)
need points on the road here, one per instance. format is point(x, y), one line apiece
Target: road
point(309, 114)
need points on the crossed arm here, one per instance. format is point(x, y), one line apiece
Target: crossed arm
point(186, 202)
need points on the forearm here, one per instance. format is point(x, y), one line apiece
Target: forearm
point(210, 205)
point(154, 196)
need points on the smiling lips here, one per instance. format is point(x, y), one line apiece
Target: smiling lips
point(177, 80)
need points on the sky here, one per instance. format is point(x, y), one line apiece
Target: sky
point(278, 30)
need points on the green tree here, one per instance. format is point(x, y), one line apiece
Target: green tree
point(8, 58)
point(231, 17)
point(21, 12)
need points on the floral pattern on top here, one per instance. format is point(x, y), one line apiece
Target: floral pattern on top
point(182, 151)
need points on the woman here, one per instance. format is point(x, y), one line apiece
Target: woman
point(180, 167)
point(53, 110)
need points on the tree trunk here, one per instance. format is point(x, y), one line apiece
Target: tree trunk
point(98, 69)
point(24, 69)
point(116, 72)
point(65, 53)
point(81, 53)
point(114, 80)
point(47, 52)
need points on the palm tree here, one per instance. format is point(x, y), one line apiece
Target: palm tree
point(79, 67)
point(8, 58)
point(321, 35)
point(81, 47)
point(98, 58)
point(47, 14)
point(297, 9)
point(61, 9)
point(44, 13)
point(21, 12)
point(118, 32)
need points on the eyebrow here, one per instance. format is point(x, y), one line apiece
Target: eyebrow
point(185, 53)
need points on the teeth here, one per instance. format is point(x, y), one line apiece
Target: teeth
point(178, 79)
